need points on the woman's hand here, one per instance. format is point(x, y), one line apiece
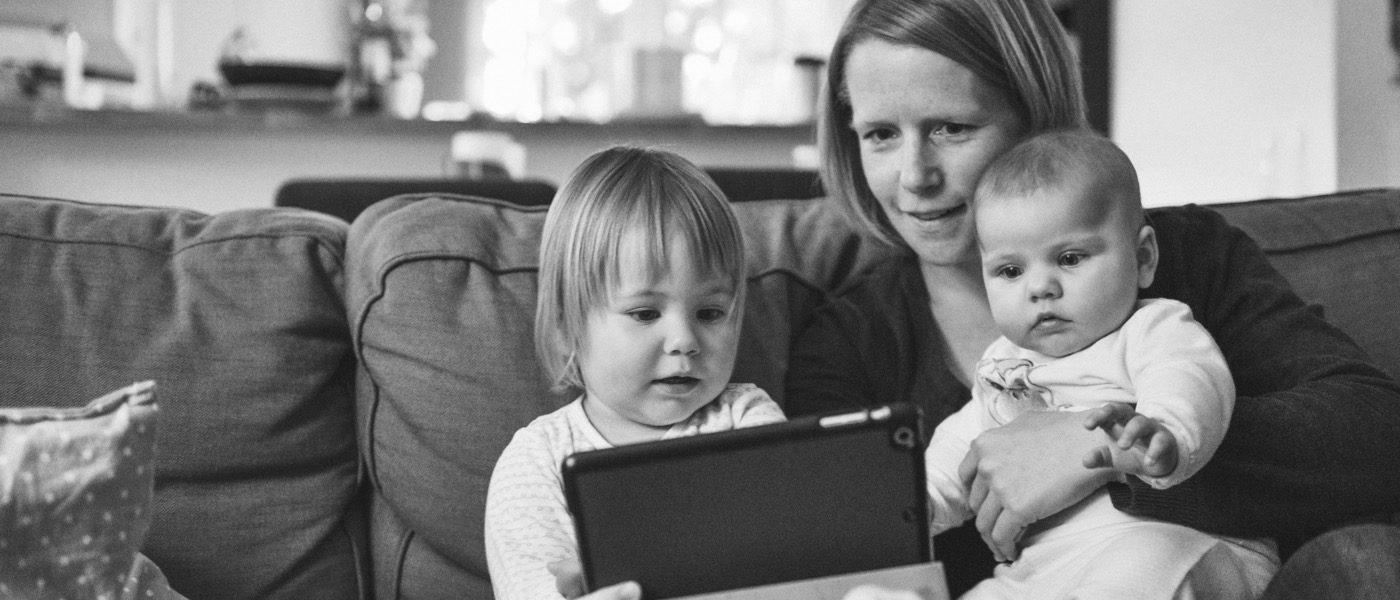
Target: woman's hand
point(1027, 470)
point(568, 577)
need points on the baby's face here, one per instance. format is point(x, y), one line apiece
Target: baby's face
point(1061, 268)
point(661, 347)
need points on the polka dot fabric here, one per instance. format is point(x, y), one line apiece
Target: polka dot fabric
point(75, 500)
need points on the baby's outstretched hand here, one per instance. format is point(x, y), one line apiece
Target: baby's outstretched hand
point(1142, 445)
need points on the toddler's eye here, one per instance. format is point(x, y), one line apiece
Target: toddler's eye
point(710, 314)
point(1009, 271)
point(645, 315)
point(1071, 259)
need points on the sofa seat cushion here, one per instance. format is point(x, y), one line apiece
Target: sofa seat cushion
point(239, 319)
point(1341, 252)
point(442, 298)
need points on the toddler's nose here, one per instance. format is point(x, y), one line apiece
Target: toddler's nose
point(681, 339)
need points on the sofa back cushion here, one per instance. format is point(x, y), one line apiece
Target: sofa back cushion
point(442, 297)
point(239, 318)
point(1340, 251)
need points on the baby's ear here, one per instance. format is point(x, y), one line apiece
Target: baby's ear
point(1146, 255)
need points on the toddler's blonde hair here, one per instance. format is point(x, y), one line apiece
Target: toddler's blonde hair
point(614, 194)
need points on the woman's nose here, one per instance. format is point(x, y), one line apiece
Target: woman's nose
point(681, 338)
point(921, 170)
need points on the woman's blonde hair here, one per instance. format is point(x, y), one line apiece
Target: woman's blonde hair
point(1016, 46)
point(615, 194)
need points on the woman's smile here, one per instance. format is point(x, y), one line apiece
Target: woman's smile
point(934, 215)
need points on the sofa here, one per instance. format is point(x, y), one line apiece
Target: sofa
point(316, 406)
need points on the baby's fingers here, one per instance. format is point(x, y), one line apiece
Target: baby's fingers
point(1161, 456)
point(1139, 428)
point(1110, 413)
point(1098, 458)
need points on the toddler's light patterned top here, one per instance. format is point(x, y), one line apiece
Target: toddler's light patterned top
point(527, 519)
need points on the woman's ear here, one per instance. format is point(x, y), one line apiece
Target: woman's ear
point(1146, 256)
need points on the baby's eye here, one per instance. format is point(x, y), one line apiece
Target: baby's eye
point(710, 315)
point(1071, 259)
point(1008, 271)
point(644, 315)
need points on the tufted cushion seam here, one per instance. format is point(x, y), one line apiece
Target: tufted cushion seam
point(328, 245)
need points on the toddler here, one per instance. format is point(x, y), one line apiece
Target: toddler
point(1065, 247)
point(641, 294)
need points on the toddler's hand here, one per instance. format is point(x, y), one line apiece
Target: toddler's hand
point(875, 592)
point(568, 577)
point(1142, 445)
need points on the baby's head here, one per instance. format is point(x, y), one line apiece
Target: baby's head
point(1064, 241)
point(641, 286)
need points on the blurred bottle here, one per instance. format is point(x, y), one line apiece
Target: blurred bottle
point(487, 155)
point(371, 57)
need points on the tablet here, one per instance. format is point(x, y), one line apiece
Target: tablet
point(813, 497)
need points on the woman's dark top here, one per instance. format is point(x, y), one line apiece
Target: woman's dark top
point(1315, 437)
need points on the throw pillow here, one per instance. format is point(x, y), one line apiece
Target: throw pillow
point(75, 499)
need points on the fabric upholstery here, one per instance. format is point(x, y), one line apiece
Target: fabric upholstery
point(1340, 251)
point(442, 295)
point(239, 319)
point(257, 324)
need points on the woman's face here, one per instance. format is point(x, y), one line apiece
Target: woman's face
point(927, 128)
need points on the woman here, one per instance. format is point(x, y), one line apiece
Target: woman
point(921, 96)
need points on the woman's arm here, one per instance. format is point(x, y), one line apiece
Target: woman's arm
point(1314, 438)
point(878, 343)
point(874, 344)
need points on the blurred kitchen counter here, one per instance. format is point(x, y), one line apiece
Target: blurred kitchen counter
point(213, 161)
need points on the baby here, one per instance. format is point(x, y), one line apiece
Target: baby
point(641, 295)
point(1065, 248)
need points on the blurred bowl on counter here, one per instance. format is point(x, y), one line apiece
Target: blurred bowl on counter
point(276, 73)
point(282, 87)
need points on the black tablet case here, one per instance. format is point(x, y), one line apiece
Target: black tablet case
point(812, 497)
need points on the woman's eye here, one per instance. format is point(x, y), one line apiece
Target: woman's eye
point(709, 315)
point(1071, 259)
point(953, 129)
point(878, 136)
point(645, 315)
point(1009, 272)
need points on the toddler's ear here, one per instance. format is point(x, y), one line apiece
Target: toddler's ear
point(1146, 255)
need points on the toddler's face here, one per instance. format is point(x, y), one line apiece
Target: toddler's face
point(660, 348)
point(1061, 271)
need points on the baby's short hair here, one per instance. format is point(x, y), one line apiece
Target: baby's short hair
point(615, 193)
point(1052, 159)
